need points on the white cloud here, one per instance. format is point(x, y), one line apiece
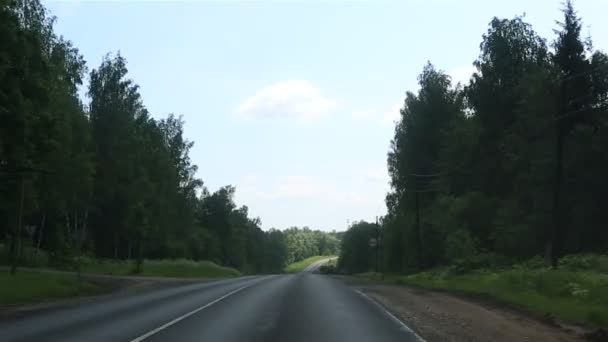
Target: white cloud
point(306, 187)
point(393, 114)
point(291, 99)
point(297, 186)
point(462, 74)
point(364, 114)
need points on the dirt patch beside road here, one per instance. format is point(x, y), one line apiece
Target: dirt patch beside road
point(439, 316)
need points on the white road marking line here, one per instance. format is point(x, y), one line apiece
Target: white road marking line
point(391, 316)
point(186, 315)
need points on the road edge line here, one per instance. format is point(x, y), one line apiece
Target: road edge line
point(390, 315)
point(188, 314)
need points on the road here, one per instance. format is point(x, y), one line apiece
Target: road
point(317, 264)
point(299, 307)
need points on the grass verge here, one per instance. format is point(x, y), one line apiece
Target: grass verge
point(162, 268)
point(302, 264)
point(33, 287)
point(574, 296)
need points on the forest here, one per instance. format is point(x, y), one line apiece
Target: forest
point(509, 166)
point(100, 176)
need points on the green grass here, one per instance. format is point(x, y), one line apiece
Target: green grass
point(33, 287)
point(573, 296)
point(162, 268)
point(302, 264)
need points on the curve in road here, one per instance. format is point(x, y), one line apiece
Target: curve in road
point(314, 267)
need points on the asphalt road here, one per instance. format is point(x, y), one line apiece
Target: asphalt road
point(294, 308)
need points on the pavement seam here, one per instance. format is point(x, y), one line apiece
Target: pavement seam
point(390, 315)
point(188, 314)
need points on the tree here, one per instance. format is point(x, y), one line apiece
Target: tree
point(575, 107)
point(417, 146)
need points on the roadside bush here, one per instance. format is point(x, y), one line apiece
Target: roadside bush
point(30, 257)
point(328, 269)
point(534, 263)
point(480, 261)
point(459, 244)
point(579, 262)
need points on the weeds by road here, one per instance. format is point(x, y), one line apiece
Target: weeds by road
point(161, 268)
point(576, 292)
point(32, 287)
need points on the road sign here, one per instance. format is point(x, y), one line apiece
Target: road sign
point(373, 242)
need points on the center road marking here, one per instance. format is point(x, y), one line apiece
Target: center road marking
point(186, 315)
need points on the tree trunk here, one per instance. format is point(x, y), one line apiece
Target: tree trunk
point(116, 241)
point(16, 240)
point(67, 227)
point(418, 234)
point(554, 249)
point(140, 254)
point(76, 236)
point(84, 225)
point(40, 233)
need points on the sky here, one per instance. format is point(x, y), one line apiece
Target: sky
point(294, 102)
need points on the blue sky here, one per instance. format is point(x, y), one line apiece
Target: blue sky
point(293, 101)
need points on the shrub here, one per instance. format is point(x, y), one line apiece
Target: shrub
point(459, 244)
point(480, 261)
point(592, 262)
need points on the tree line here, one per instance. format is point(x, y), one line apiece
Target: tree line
point(103, 177)
point(508, 166)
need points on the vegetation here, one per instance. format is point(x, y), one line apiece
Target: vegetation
point(302, 264)
point(31, 287)
point(161, 268)
point(104, 178)
point(508, 166)
point(576, 292)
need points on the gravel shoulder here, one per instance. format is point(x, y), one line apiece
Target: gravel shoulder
point(438, 316)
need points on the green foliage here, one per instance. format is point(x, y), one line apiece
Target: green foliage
point(33, 287)
point(161, 268)
point(587, 262)
point(303, 243)
point(106, 178)
point(302, 264)
point(576, 296)
point(460, 244)
point(356, 255)
point(491, 173)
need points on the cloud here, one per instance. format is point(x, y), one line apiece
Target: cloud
point(297, 187)
point(292, 99)
point(305, 187)
point(364, 114)
point(462, 74)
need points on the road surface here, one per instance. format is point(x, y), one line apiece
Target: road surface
point(300, 307)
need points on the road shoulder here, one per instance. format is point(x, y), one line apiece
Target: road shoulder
point(438, 316)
